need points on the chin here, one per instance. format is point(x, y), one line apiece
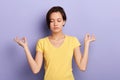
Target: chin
point(56, 31)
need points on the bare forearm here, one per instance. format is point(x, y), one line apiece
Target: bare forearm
point(84, 59)
point(35, 65)
point(31, 61)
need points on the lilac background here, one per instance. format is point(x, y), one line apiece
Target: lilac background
point(27, 18)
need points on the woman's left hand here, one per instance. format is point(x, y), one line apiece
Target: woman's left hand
point(89, 38)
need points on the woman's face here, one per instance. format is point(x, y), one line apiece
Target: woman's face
point(56, 22)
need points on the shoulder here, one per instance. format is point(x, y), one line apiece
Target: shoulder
point(42, 39)
point(71, 37)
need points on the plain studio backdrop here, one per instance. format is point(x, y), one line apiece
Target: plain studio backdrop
point(27, 18)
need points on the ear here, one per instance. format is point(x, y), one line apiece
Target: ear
point(64, 23)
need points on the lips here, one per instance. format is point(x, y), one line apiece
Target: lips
point(56, 27)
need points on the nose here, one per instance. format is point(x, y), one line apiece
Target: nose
point(55, 23)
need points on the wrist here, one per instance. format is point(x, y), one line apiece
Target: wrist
point(87, 43)
point(25, 46)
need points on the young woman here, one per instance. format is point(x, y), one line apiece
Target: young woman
point(57, 49)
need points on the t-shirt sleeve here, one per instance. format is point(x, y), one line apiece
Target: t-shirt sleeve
point(39, 46)
point(76, 42)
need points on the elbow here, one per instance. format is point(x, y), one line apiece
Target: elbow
point(35, 72)
point(36, 69)
point(83, 69)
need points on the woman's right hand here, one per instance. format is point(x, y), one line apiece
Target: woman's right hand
point(21, 41)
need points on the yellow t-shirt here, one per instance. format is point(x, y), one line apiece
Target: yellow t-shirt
point(58, 60)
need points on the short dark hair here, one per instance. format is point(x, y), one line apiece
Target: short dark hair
point(55, 9)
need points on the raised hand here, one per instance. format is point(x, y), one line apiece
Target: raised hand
point(89, 38)
point(21, 41)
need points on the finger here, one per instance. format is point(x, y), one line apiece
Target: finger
point(24, 39)
point(87, 35)
point(93, 36)
point(19, 41)
point(16, 39)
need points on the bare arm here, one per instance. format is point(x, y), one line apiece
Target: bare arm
point(82, 60)
point(35, 64)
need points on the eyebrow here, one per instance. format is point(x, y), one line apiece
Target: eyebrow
point(54, 19)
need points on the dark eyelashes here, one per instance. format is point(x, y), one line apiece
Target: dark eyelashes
point(53, 20)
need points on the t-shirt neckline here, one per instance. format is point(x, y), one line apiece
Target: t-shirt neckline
point(55, 46)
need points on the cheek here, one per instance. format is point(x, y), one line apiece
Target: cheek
point(51, 24)
point(61, 23)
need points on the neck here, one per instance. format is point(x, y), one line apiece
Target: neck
point(57, 36)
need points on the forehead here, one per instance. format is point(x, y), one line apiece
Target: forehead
point(55, 15)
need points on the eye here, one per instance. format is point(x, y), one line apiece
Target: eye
point(59, 20)
point(51, 20)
